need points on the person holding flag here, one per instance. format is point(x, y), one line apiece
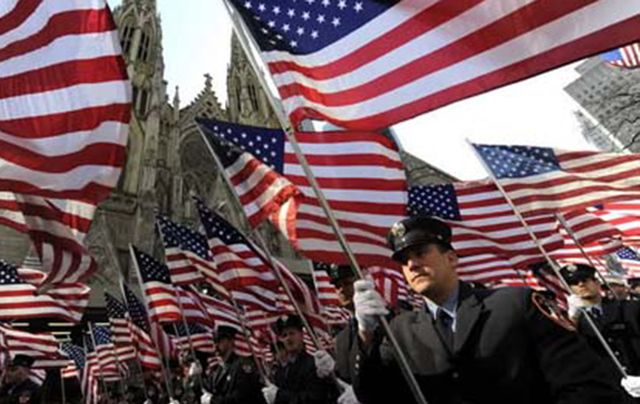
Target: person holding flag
point(17, 387)
point(470, 345)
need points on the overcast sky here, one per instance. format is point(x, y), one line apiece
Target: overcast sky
point(536, 112)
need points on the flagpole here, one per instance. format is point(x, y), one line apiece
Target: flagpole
point(247, 336)
point(165, 368)
point(62, 390)
point(571, 233)
point(135, 348)
point(554, 266)
point(86, 353)
point(119, 367)
point(247, 42)
point(95, 348)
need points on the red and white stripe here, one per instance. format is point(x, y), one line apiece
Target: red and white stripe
point(145, 347)
point(421, 55)
point(491, 271)
point(38, 346)
point(326, 291)
point(629, 56)
point(362, 176)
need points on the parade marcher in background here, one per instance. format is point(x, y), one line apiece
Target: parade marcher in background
point(618, 287)
point(634, 288)
point(470, 345)
point(236, 380)
point(297, 381)
point(16, 385)
point(617, 320)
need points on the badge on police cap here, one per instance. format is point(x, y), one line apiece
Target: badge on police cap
point(571, 268)
point(398, 229)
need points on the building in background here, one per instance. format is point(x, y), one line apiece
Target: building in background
point(610, 99)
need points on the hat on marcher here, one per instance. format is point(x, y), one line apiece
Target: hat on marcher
point(338, 272)
point(416, 231)
point(225, 332)
point(575, 273)
point(22, 360)
point(289, 321)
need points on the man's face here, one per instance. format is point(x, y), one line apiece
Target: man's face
point(344, 287)
point(586, 289)
point(224, 346)
point(619, 291)
point(16, 374)
point(292, 340)
point(428, 268)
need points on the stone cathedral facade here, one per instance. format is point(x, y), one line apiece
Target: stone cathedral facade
point(167, 161)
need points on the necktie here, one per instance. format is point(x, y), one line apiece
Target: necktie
point(443, 324)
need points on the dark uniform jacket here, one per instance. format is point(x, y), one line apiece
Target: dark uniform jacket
point(298, 383)
point(236, 382)
point(26, 392)
point(505, 350)
point(620, 325)
point(345, 341)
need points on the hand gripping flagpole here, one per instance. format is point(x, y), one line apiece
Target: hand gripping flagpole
point(165, 367)
point(554, 266)
point(577, 242)
point(247, 41)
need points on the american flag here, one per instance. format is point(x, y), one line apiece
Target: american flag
point(19, 298)
point(625, 216)
point(41, 346)
point(630, 261)
point(627, 56)
point(159, 292)
point(117, 314)
point(57, 229)
point(543, 180)
point(492, 271)
point(105, 349)
point(326, 291)
point(239, 265)
point(390, 283)
point(79, 369)
point(187, 256)
point(482, 221)
point(76, 354)
point(368, 64)
point(261, 190)
point(201, 338)
point(362, 177)
point(141, 331)
point(589, 228)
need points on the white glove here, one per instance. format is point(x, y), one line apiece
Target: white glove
point(575, 304)
point(270, 392)
point(632, 385)
point(173, 401)
point(347, 396)
point(369, 305)
point(324, 363)
point(205, 398)
point(195, 369)
point(147, 401)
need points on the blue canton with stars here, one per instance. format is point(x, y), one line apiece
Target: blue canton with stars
point(115, 308)
point(9, 274)
point(137, 312)
point(230, 140)
point(305, 26)
point(518, 161)
point(177, 236)
point(193, 329)
point(434, 200)
point(75, 353)
point(216, 227)
point(627, 253)
point(150, 269)
point(101, 334)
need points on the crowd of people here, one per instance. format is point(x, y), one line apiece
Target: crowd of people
point(469, 344)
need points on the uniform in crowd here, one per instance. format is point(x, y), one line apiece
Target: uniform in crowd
point(342, 278)
point(16, 385)
point(470, 345)
point(236, 380)
point(296, 382)
point(617, 320)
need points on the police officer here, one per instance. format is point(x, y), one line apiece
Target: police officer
point(297, 382)
point(617, 320)
point(16, 385)
point(236, 380)
point(469, 345)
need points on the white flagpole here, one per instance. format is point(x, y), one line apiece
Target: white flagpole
point(554, 266)
point(245, 40)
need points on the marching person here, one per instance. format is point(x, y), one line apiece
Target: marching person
point(16, 385)
point(297, 382)
point(617, 320)
point(236, 380)
point(470, 345)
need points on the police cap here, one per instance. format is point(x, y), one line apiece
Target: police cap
point(22, 360)
point(290, 321)
point(339, 272)
point(575, 273)
point(225, 332)
point(416, 231)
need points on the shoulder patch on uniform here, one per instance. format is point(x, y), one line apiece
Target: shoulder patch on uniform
point(550, 310)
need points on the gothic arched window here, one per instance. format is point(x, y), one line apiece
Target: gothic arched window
point(143, 50)
point(127, 34)
point(253, 96)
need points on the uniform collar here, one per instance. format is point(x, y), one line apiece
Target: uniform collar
point(449, 306)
